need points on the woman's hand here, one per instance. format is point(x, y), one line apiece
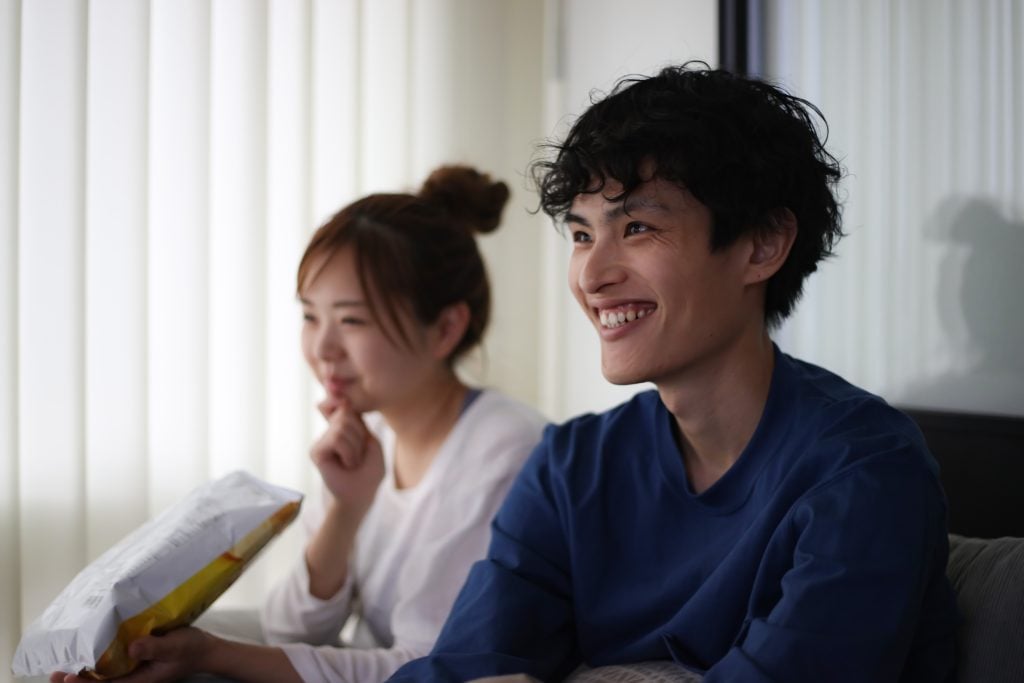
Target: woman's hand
point(348, 457)
point(352, 466)
point(186, 651)
point(162, 659)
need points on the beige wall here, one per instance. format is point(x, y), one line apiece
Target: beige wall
point(523, 73)
point(598, 42)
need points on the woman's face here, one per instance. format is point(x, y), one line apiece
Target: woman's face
point(345, 344)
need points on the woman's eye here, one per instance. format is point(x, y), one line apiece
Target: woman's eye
point(580, 236)
point(308, 318)
point(348, 320)
point(637, 228)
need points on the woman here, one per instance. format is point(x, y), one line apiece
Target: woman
point(413, 461)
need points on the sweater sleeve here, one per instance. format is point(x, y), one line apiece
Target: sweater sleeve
point(292, 614)
point(435, 567)
point(863, 548)
point(426, 591)
point(514, 614)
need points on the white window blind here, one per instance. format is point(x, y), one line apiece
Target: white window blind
point(164, 163)
point(924, 100)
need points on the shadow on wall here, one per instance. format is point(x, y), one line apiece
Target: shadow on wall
point(981, 310)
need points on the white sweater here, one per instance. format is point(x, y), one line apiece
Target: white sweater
point(412, 553)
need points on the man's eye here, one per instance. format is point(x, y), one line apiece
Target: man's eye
point(580, 236)
point(635, 228)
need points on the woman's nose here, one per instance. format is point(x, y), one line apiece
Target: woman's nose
point(328, 344)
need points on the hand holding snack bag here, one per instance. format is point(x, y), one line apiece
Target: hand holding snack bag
point(162, 659)
point(160, 577)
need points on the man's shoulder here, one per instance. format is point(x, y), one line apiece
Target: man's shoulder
point(641, 407)
point(589, 444)
point(826, 425)
point(840, 425)
point(815, 381)
point(830, 402)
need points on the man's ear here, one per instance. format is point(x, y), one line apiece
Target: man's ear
point(449, 329)
point(771, 245)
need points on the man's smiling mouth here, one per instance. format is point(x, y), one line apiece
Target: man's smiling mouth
point(623, 315)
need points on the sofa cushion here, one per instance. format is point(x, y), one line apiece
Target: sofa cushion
point(641, 672)
point(988, 577)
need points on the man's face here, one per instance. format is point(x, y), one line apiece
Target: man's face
point(665, 306)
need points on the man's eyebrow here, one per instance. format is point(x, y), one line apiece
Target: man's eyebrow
point(576, 218)
point(609, 214)
point(641, 202)
point(620, 209)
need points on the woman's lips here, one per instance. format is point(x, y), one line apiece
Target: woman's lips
point(337, 386)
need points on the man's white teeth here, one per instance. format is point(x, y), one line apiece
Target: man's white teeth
point(613, 319)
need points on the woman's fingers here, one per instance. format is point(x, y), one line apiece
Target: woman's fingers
point(344, 440)
point(328, 406)
point(349, 458)
point(350, 446)
point(338, 448)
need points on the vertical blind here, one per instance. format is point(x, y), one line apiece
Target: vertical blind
point(924, 102)
point(164, 164)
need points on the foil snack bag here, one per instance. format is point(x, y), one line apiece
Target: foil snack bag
point(161, 576)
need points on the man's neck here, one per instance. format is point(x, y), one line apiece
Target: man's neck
point(718, 406)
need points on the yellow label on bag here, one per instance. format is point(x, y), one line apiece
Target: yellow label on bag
point(185, 603)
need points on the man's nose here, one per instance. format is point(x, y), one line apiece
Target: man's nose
point(602, 266)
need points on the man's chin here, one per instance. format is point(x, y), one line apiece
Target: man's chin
point(622, 376)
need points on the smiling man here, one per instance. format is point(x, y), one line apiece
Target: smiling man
point(756, 518)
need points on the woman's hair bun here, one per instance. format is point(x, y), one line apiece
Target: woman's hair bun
point(470, 197)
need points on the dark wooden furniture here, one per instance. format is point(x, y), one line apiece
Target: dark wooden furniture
point(982, 461)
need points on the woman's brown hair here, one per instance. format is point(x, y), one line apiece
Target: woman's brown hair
point(418, 251)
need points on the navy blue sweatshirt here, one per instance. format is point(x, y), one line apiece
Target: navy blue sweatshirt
point(819, 556)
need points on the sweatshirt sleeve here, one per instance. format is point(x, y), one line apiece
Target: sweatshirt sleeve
point(863, 548)
point(514, 614)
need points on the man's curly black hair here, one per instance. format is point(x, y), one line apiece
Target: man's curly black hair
point(743, 147)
